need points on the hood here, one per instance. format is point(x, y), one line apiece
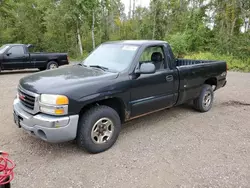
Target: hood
point(63, 79)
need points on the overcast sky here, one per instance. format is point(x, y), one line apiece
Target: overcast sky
point(144, 3)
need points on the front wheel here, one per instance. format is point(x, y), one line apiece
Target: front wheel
point(5, 186)
point(98, 129)
point(205, 100)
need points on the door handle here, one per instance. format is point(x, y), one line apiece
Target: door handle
point(169, 78)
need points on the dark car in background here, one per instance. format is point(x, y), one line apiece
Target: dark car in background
point(17, 56)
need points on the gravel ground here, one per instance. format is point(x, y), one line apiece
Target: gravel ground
point(173, 148)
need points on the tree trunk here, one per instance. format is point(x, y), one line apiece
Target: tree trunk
point(129, 13)
point(93, 29)
point(133, 9)
point(79, 38)
point(247, 25)
point(112, 19)
point(154, 26)
point(102, 23)
point(233, 25)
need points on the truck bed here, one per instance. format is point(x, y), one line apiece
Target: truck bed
point(185, 62)
point(192, 74)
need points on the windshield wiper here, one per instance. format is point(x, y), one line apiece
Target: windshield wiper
point(100, 67)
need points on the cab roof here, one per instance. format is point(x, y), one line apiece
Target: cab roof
point(137, 42)
point(14, 44)
point(28, 45)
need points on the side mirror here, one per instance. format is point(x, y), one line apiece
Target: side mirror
point(146, 68)
point(8, 53)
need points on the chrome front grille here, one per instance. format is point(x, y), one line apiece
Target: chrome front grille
point(29, 100)
point(26, 100)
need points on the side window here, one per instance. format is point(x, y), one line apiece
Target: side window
point(154, 55)
point(16, 50)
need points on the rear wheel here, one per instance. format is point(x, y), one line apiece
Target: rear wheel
point(52, 65)
point(205, 100)
point(98, 129)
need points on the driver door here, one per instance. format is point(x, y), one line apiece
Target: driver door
point(14, 58)
point(152, 92)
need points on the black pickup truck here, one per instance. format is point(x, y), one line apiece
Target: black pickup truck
point(17, 56)
point(117, 82)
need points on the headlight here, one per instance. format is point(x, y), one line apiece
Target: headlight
point(54, 99)
point(54, 104)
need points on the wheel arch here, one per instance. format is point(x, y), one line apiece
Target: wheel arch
point(115, 103)
point(51, 60)
point(212, 81)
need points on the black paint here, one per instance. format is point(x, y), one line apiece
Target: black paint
point(181, 80)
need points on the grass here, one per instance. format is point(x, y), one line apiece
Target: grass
point(234, 63)
point(78, 58)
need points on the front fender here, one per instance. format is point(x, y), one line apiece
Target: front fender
point(82, 102)
point(95, 97)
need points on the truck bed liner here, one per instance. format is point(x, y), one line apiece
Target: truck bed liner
point(184, 62)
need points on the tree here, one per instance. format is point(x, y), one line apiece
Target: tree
point(77, 26)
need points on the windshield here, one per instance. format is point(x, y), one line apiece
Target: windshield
point(3, 48)
point(115, 57)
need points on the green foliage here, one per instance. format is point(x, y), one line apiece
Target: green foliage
point(179, 43)
point(189, 26)
point(79, 58)
point(233, 63)
point(147, 54)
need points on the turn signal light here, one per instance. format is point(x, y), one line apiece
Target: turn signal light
point(62, 100)
point(59, 111)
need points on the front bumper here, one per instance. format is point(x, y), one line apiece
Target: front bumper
point(46, 127)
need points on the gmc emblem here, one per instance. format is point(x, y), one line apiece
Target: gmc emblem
point(21, 96)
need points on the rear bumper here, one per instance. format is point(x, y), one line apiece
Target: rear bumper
point(225, 83)
point(221, 83)
point(48, 128)
point(64, 62)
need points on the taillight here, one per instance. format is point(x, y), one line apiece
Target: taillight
point(68, 59)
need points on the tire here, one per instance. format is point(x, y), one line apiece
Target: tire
point(205, 101)
point(52, 65)
point(87, 136)
point(6, 185)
